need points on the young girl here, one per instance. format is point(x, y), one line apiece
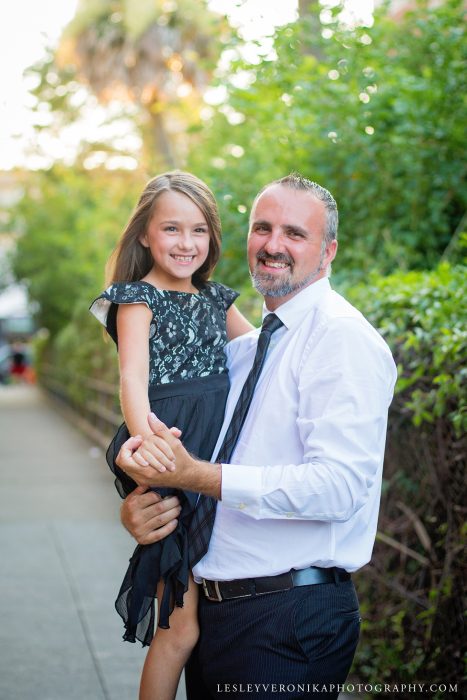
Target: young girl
point(170, 325)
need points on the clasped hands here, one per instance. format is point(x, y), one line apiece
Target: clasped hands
point(158, 459)
point(161, 460)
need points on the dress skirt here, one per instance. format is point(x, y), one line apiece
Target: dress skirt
point(196, 407)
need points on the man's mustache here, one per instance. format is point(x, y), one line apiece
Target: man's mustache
point(262, 256)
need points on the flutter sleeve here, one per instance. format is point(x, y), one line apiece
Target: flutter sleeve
point(105, 307)
point(225, 295)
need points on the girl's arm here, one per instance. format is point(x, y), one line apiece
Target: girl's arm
point(133, 322)
point(236, 323)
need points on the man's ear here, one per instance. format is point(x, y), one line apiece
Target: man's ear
point(330, 253)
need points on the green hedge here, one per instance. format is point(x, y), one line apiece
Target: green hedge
point(422, 315)
point(411, 593)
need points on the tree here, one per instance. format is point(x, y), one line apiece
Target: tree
point(156, 56)
point(68, 221)
point(370, 121)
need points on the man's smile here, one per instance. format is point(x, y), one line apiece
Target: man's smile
point(273, 262)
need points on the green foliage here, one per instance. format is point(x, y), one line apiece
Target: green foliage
point(375, 114)
point(132, 18)
point(94, 356)
point(57, 93)
point(409, 594)
point(423, 317)
point(69, 221)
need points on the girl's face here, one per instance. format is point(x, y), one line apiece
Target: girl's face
point(178, 238)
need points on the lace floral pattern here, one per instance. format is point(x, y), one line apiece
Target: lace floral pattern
point(187, 334)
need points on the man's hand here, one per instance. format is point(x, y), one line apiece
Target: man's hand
point(148, 517)
point(156, 453)
point(190, 473)
point(166, 441)
point(143, 459)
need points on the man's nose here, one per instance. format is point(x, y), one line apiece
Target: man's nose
point(274, 243)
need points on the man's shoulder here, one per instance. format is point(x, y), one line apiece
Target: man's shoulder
point(336, 310)
point(334, 305)
point(337, 314)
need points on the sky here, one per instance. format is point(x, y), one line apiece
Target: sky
point(28, 26)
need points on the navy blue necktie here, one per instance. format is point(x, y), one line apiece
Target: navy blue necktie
point(203, 518)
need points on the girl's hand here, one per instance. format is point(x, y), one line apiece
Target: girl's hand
point(156, 453)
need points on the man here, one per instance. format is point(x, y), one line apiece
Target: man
point(297, 502)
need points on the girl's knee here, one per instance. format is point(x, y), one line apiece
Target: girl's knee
point(182, 635)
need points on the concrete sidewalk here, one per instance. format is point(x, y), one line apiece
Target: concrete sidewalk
point(63, 556)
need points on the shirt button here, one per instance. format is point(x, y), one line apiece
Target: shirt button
point(241, 506)
point(290, 515)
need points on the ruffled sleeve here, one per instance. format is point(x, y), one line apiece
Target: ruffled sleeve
point(223, 294)
point(105, 307)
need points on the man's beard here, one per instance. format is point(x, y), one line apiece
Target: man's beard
point(268, 285)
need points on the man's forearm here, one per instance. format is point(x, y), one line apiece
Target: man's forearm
point(199, 476)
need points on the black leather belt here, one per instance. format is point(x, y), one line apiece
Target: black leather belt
point(248, 587)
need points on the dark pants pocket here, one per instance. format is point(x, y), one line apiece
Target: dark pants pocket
point(327, 629)
point(300, 639)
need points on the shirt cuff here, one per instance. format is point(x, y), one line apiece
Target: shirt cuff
point(241, 488)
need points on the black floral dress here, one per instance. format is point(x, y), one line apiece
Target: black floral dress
point(188, 387)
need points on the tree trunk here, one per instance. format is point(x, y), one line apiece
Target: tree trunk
point(304, 8)
point(163, 155)
point(309, 10)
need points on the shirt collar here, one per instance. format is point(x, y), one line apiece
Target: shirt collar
point(292, 311)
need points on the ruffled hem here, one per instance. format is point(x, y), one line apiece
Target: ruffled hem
point(165, 561)
point(198, 411)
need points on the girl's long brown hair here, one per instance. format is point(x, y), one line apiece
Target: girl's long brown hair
point(131, 261)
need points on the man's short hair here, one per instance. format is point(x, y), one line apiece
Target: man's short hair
point(297, 182)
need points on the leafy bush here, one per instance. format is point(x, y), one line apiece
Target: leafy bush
point(412, 591)
point(422, 315)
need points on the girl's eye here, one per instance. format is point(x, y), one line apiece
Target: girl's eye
point(201, 230)
point(170, 229)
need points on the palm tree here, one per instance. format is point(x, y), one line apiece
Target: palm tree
point(158, 54)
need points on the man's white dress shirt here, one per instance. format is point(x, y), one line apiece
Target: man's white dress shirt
point(303, 486)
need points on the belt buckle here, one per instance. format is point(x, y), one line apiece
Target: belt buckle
point(216, 596)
